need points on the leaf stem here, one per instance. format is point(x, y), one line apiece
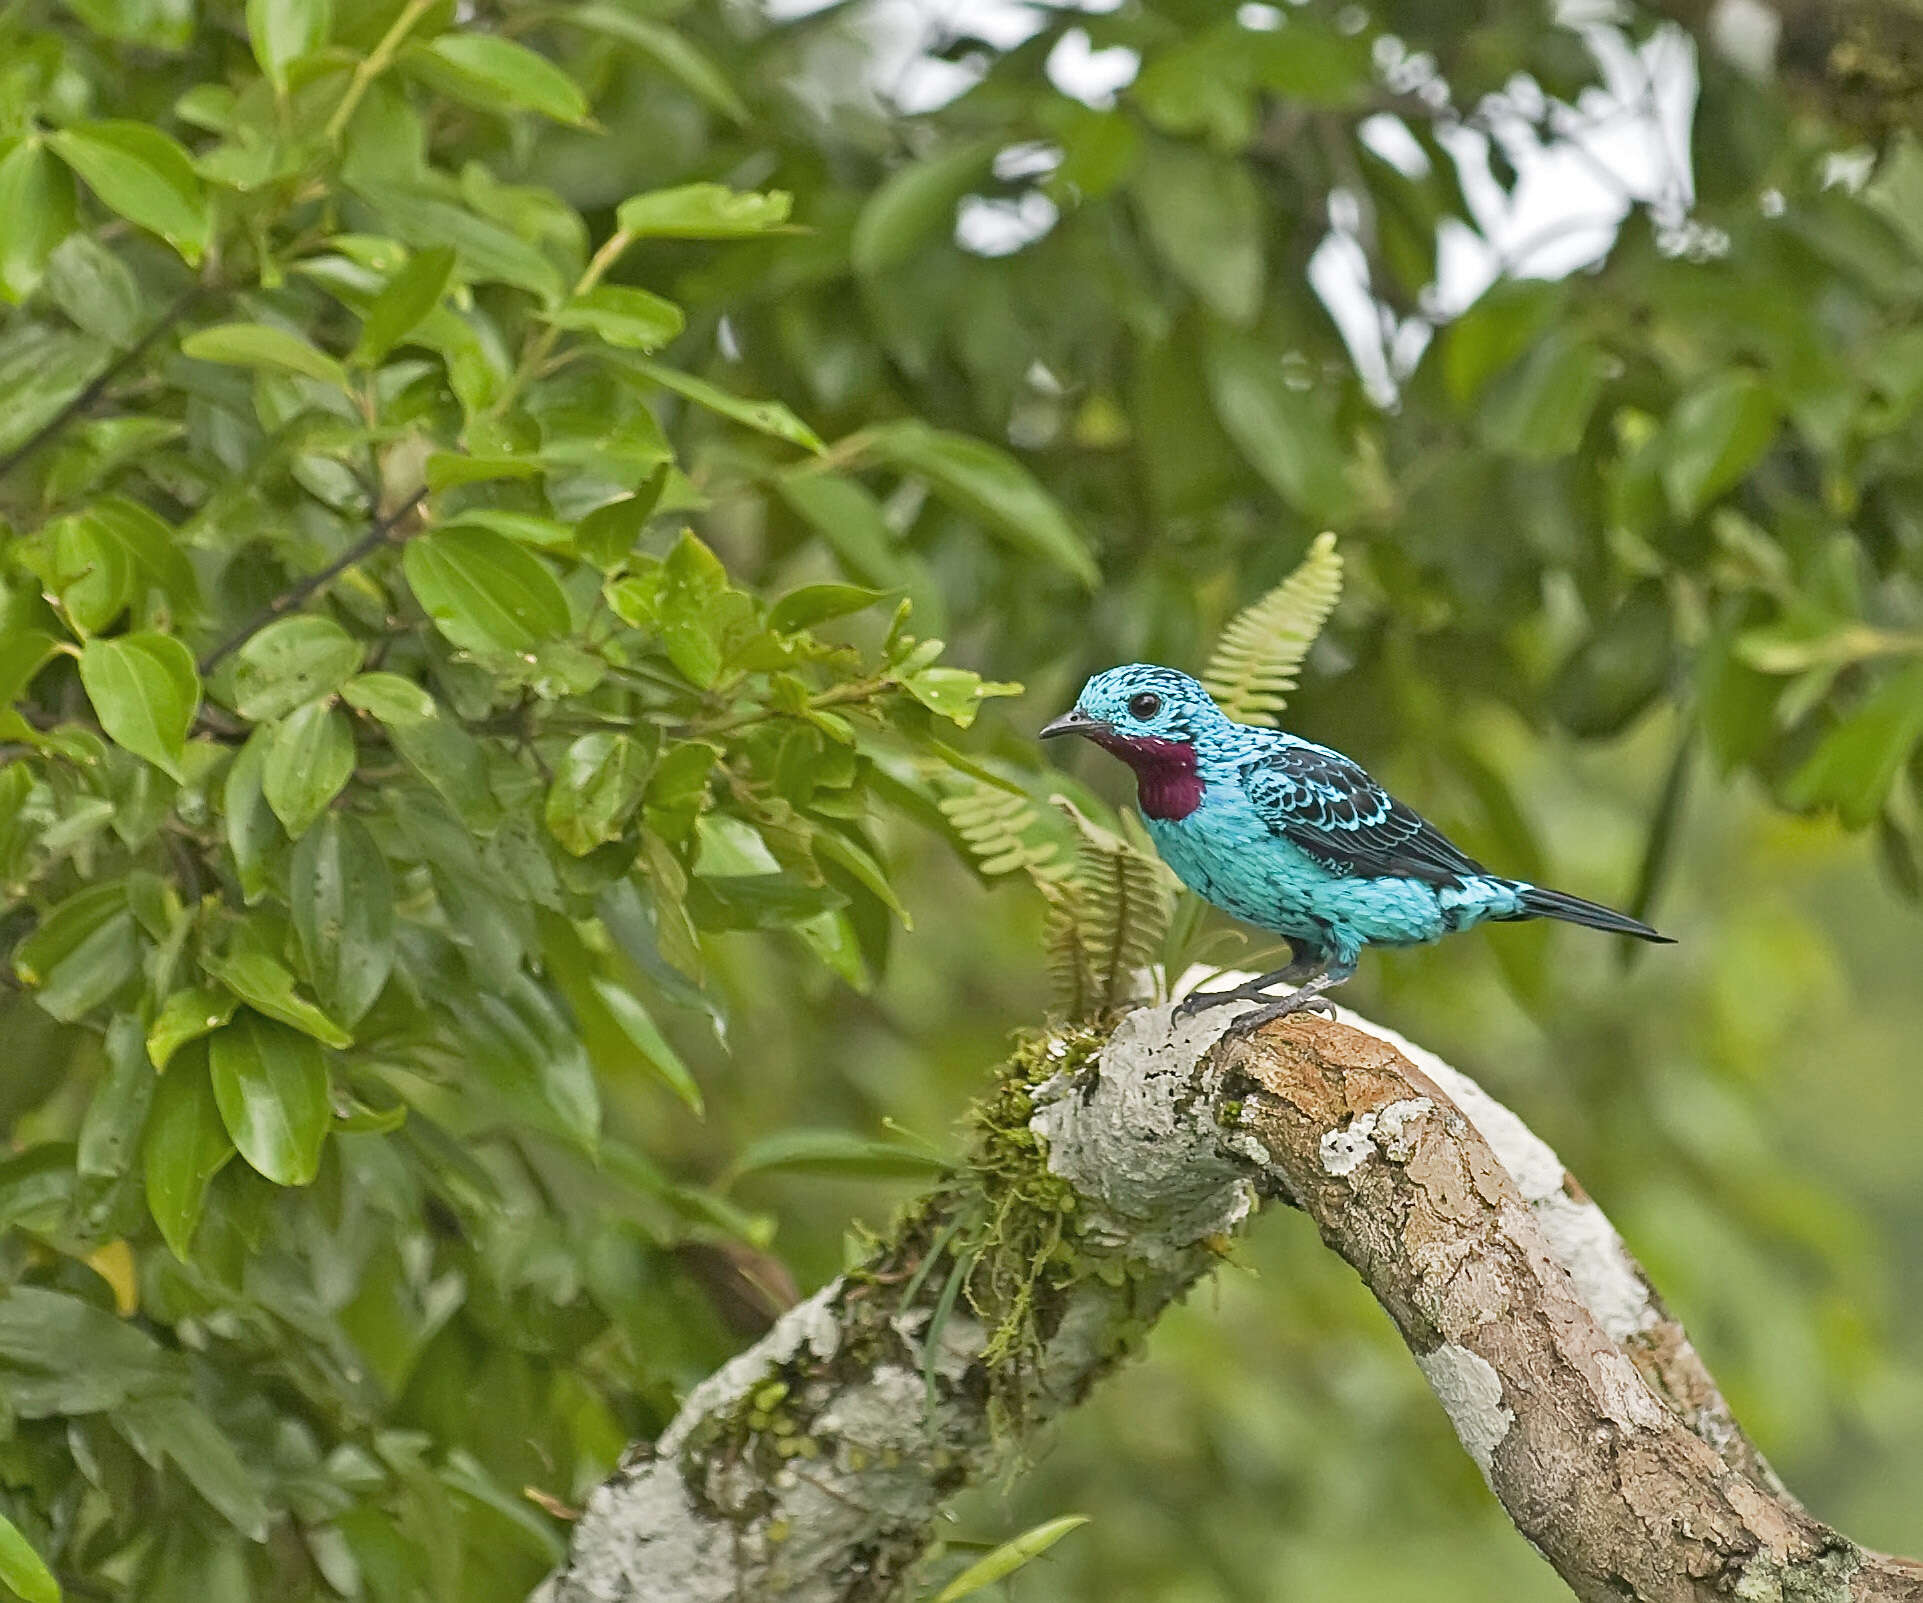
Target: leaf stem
point(539, 347)
point(373, 65)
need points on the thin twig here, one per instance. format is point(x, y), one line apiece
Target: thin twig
point(288, 600)
point(97, 385)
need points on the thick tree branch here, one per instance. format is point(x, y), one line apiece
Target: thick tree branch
point(811, 1468)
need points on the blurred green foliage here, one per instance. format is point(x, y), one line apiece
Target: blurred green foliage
point(462, 789)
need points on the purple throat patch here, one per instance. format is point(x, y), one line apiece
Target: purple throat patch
point(1166, 782)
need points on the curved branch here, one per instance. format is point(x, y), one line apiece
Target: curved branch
point(1102, 1185)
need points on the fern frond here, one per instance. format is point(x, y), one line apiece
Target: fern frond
point(1254, 665)
point(995, 826)
point(1108, 918)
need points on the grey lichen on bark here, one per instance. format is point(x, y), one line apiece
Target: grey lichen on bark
point(1103, 1180)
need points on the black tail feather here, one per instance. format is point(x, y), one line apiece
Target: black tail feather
point(1540, 903)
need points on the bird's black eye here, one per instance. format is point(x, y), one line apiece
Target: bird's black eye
point(1145, 706)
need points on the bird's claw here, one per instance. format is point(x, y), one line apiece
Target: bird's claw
point(1201, 1001)
point(1248, 1023)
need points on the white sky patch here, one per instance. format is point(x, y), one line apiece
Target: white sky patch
point(1000, 227)
point(1389, 137)
point(1094, 77)
point(1259, 18)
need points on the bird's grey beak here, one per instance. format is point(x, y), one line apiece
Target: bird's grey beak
point(1072, 722)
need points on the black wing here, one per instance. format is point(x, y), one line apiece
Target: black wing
point(1325, 805)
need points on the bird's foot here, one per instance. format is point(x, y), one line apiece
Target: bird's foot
point(1201, 1001)
point(1303, 1001)
point(1255, 990)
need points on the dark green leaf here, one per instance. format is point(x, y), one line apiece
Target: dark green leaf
point(817, 603)
point(837, 1152)
point(117, 1112)
point(1714, 437)
point(434, 745)
point(1281, 430)
point(639, 1027)
point(764, 417)
point(261, 345)
point(270, 1084)
point(342, 901)
point(915, 204)
point(37, 201)
point(484, 592)
point(83, 951)
point(1856, 763)
point(282, 31)
point(187, 1016)
point(179, 1430)
point(1204, 218)
point(266, 986)
point(597, 784)
point(407, 298)
point(186, 1145)
point(1542, 408)
point(670, 51)
point(499, 75)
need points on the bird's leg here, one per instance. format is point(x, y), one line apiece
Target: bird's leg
point(1299, 968)
point(1308, 998)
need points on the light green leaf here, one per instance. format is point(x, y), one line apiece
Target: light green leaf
point(270, 1084)
point(435, 746)
point(142, 174)
point(849, 519)
point(1716, 435)
point(639, 1027)
point(187, 1016)
point(1854, 766)
point(671, 52)
point(310, 758)
point(497, 74)
point(93, 287)
point(23, 653)
point(837, 1152)
point(342, 901)
point(818, 603)
point(597, 784)
point(290, 662)
point(1008, 1558)
point(262, 346)
point(622, 316)
point(955, 693)
point(267, 987)
point(914, 205)
point(145, 691)
point(992, 486)
point(765, 417)
point(117, 1112)
point(252, 832)
point(282, 31)
point(701, 211)
point(37, 201)
point(414, 291)
point(484, 592)
point(24, 1570)
point(186, 1145)
point(447, 470)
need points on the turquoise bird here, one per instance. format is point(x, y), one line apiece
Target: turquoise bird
point(1296, 839)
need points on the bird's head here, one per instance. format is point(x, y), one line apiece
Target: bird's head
point(1149, 717)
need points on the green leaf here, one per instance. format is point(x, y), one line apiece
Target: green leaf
point(23, 654)
point(837, 1152)
point(764, 417)
point(187, 1016)
point(597, 785)
point(151, 552)
point(291, 662)
point(669, 50)
point(252, 832)
point(37, 201)
point(145, 691)
point(310, 758)
point(1509, 318)
point(282, 31)
point(914, 204)
point(818, 603)
point(497, 74)
point(264, 347)
point(606, 536)
point(270, 1084)
point(1008, 1558)
point(178, 1429)
point(1254, 664)
point(142, 174)
point(1541, 409)
point(414, 291)
point(1716, 435)
point(1206, 221)
point(849, 519)
point(622, 316)
point(1855, 765)
point(342, 901)
point(701, 211)
point(955, 693)
point(435, 746)
point(1280, 429)
point(639, 1027)
point(93, 287)
point(447, 470)
point(185, 1147)
point(484, 592)
point(267, 987)
point(24, 1570)
point(990, 485)
point(117, 1112)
